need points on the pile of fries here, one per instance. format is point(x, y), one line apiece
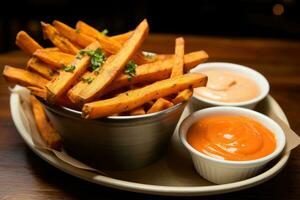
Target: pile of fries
point(105, 75)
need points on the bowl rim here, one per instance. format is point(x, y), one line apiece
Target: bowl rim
point(230, 67)
point(77, 113)
point(280, 136)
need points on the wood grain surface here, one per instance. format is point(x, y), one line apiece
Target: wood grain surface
point(23, 175)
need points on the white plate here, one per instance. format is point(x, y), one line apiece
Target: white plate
point(172, 175)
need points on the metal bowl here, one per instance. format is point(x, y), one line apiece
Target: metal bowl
point(115, 142)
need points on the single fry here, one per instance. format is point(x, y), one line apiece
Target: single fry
point(109, 45)
point(54, 58)
point(86, 29)
point(52, 49)
point(66, 79)
point(46, 130)
point(40, 92)
point(193, 59)
point(178, 69)
point(122, 38)
point(74, 36)
point(160, 104)
point(140, 58)
point(190, 59)
point(23, 77)
point(58, 40)
point(86, 79)
point(83, 27)
point(27, 43)
point(110, 70)
point(183, 96)
point(34, 64)
point(135, 98)
point(164, 56)
point(137, 111)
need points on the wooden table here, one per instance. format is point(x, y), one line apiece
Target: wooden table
point(23, 175)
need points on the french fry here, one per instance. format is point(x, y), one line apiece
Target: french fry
point(86, 29)
point(110, 70)
point(149, 72)
point(83, 27)
point(137, 111)
point(54, 58)
point(77, 37)
point(58, 40)
point(190, 59)
point(177, 69)
point(27, 43)
point(40, 92)
point(52, 49)
point(34, 64)
point(109, 45)
point(183, 96)
point(160, 104)
point(122, 38)
point(23, 77)
point(74, 92)
point(135, 98)
point(140, 58)
point(194, 58)
point(46, 130)
point(164, 56)
point(66, 79)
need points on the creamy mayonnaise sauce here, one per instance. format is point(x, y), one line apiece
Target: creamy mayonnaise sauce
point(228, 86)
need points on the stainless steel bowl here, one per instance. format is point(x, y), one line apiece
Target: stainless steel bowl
point(116, 142)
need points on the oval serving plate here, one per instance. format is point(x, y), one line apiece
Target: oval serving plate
point(172, 175)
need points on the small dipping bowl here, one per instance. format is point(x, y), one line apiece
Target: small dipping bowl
point(199, 102)
point(225, 171)
point(115, 142)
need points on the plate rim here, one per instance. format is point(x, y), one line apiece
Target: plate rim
point(141, 187)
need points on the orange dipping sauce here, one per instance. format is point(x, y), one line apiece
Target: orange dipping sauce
point(230, 137)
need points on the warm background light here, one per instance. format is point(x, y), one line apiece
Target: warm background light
point(278, 9)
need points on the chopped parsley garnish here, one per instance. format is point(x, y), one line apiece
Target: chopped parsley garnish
point(87, 80)
point(104, 32)
point(97, 58)
point(69, 68)
point(130, 69)
point(77, 31)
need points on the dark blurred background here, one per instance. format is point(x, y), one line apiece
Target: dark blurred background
point(239, 18)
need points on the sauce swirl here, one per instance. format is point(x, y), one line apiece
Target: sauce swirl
point(228, 86)
point(236, 138)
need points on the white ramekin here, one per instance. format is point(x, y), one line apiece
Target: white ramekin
point(202, 102)
point(224, 171)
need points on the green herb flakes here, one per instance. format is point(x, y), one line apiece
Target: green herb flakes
point(97, 58)
point(130, 69)
point(69, 68)
point(87, 80)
